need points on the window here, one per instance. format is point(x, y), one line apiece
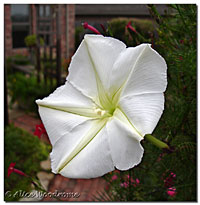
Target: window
point(44, 10)
point(20, 16)
point(44, 22)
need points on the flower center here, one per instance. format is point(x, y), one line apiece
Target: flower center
point(105, 111)
point(100, 112)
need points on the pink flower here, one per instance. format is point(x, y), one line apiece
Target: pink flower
point(130, 27)
point(137, 181)
point(114, 177)
point(171, 191)
point(173, 175)
point(128, 177)
point(91, 28)
point(125, 184)
point(39, 130)
point(169, 181)
point(11, 169)
point(132, 180)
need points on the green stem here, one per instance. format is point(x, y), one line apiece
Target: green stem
point(156, 142)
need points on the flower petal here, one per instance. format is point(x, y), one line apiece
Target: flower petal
point(81, 72)
point(57, 121)
point(104, 51)
point(93, 62)
point(148, 74)
point(93, 160)
point(123, 66)
point(144, 111)
point(126, 149)
point(69, 96)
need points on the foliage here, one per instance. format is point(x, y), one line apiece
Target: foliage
point(25, 90)
point(17, 59)
point(144, 27)
point(176, 42)
point(26, 151)
point(31, 40)
point(49, 67)
point(116, 28)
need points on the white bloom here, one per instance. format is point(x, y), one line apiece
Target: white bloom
point(113, 96)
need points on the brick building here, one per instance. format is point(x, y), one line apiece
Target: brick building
point(21, 20)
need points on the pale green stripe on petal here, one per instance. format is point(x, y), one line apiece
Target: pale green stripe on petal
point(103, 97)
point(96, 128)
point(85, 112)
point(121, 116)
point(118, 92)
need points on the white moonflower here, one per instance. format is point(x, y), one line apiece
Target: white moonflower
point(113, 96)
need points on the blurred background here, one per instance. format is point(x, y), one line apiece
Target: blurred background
point(39, 41)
